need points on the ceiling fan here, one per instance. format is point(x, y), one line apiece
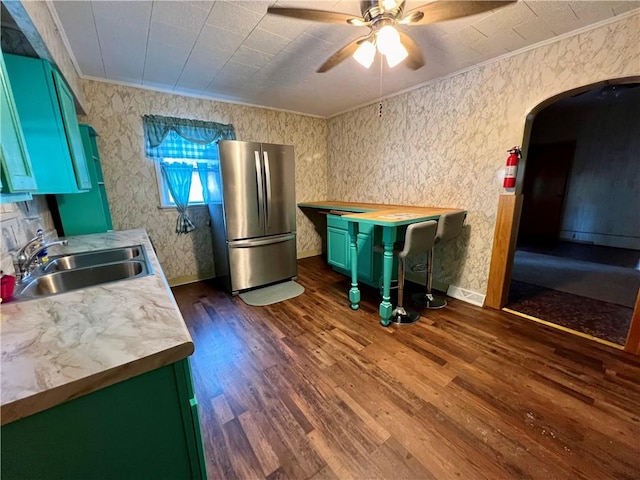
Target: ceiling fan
point(382, 17)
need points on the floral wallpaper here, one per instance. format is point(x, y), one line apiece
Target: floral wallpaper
point(445, 144)
point(116, 113)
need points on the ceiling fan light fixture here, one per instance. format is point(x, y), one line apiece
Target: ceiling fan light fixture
point(365, 53)
point(381, 16)
point(397, 55)
point(387, 39)
point(388, 4)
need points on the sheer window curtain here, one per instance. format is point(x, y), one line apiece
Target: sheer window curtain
point(178, 177)
point(171, 137)
point(207, 173)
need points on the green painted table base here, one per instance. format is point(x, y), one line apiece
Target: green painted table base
point(354, 292)
point(369, 217)
point(393, 228)
point(389, 235)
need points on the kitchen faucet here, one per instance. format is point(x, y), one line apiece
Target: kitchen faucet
point(27, 256)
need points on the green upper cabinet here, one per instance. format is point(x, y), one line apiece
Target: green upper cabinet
point(72, 130)
point(48, 119)
point(16, 170)
point(87, 212)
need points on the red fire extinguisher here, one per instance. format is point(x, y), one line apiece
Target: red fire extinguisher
point(512, 166)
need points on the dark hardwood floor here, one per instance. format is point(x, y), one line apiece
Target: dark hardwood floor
point(308, 388)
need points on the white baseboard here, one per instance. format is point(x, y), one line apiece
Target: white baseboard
point(185, 279)
point(468, 296)
point(309, 253)
point(618, 241)
point(421, 279)
point(474, 298)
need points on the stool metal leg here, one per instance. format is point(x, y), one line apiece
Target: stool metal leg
point(400, 314)
point(427, 299)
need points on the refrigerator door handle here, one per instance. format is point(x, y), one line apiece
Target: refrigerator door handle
point(260, 189)
point(267, 177)
point(260, 242)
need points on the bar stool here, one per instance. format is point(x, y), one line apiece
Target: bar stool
point(418, 240)
point(449, 226)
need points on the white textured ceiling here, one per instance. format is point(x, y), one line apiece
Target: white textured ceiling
point(233, 50)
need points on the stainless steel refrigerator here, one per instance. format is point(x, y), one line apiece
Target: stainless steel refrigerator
point(253, 214)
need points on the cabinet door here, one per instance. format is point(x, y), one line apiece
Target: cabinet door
point(365, 253)
point(17, 172)
point(72, 131)
point(193, 434)
point(44, 128)
point(338, 253)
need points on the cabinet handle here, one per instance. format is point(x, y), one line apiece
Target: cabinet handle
point(260, 187)
point(267, 177)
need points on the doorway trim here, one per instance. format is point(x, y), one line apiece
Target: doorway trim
point(508, 220)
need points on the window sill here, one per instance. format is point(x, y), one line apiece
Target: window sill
point(200, 205)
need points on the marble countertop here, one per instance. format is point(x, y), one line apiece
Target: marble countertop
point(347, 206)
point(379, 213)
point(64, 346)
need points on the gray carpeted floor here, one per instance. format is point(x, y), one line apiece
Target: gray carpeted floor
point(608, 283)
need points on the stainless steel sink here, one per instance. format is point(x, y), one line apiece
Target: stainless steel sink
point(65, 273)
point(67, 280)
point(88, 259)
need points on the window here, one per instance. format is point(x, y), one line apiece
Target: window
point(196, 194)
point(186, 156)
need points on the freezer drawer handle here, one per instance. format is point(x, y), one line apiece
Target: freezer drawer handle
point(267, 176)
point(258, 243)
point(259, 187)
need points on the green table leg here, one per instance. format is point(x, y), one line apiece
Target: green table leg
point(354, 292)
point(388, 238)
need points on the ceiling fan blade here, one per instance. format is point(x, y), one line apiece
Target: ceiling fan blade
point(342, 54)
point(415, 59)
point(325, 16)
point(451, 9)
point(413, 17)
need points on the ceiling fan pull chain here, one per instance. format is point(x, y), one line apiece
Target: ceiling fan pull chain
point(380, 91)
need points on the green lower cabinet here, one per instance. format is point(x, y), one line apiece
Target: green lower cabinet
point(339, 253)
point(338, 248)
point(144, 427)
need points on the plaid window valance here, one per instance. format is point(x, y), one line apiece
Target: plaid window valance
point(171, 137)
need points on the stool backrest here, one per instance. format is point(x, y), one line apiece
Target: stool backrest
point(419, 238)
point(450, 226)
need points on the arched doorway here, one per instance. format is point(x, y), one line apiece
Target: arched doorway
point(510, 214)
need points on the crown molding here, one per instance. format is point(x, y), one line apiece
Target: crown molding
point(491, 61)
